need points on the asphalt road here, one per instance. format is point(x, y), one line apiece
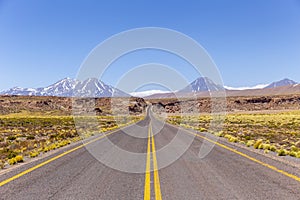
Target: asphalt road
point(164, 164)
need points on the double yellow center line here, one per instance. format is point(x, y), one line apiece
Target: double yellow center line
point(147, 189)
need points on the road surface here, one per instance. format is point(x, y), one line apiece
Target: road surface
point(227, 172)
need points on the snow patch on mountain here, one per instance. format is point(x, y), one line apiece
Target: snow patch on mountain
point(68, 87)
point(259, 86)
point(148, 93)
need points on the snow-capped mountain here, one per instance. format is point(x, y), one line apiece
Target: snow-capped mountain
point(68, 87)
point(21, 91)
point(202, 84)
point(283, 82)
point(94, 87)
point(64, 87)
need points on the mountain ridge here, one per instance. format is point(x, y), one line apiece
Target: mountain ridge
point(201, 84)
point(93, 87)
point(68, 87)
point(284, 86)
point(280, 83)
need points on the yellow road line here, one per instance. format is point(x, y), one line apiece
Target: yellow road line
point(156, 176)
point(147, 190)
point(249, 157)
point(52, 159)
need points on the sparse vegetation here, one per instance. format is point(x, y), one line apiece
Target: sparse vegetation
point(277, 132)
point(272, 148)
point(282, 152)
point(258, 144)
point(250, 143)
point(1, 164)
point(11, 137)
point(231, 138)
point(17, 159)
point(12, 161)
point(31, 135)
point(34, 154)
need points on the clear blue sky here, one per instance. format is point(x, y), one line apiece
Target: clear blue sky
point(251, 41)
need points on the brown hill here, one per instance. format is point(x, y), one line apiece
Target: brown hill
point(45, 105)
point(233, 104)
point(284, 90)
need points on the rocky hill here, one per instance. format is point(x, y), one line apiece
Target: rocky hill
point(66, 106)
point(233, 104)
